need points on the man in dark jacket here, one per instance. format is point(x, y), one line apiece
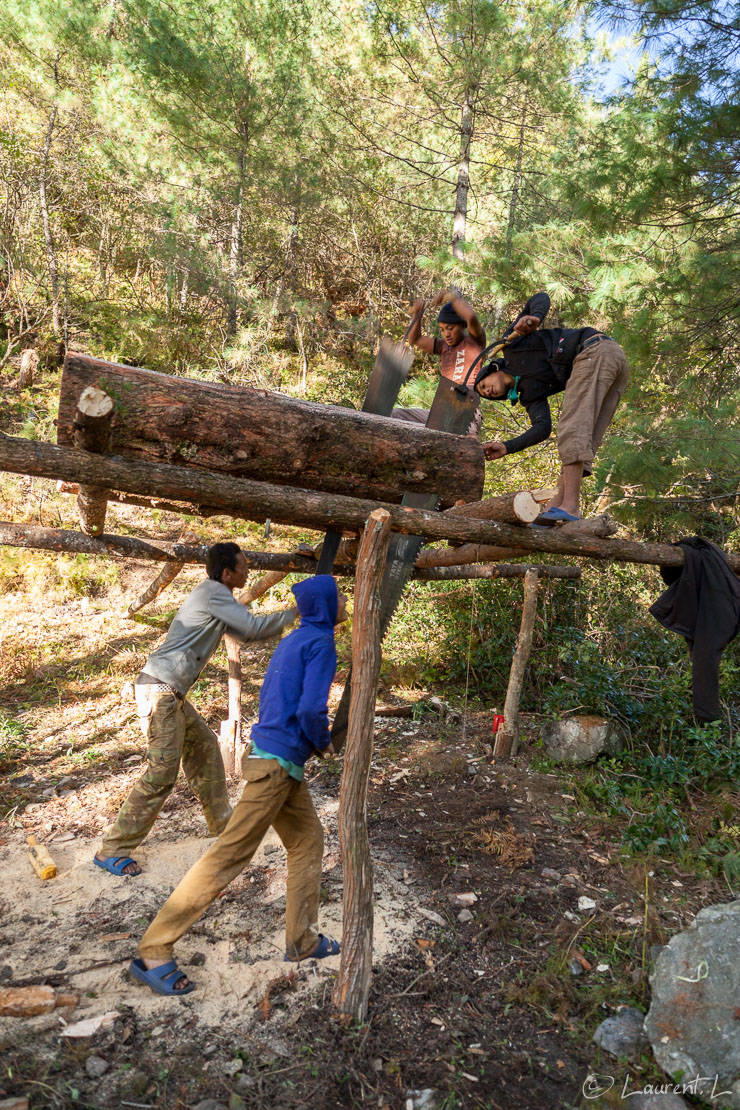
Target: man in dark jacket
point(592, 370)
point(293, 725)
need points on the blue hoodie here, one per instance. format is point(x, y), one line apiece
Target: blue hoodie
point(293, 716)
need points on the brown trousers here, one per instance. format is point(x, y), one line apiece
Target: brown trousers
point(270, 797)
point(176, 733)
point(594, 389)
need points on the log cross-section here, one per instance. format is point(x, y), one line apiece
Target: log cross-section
point(92, 432)
point(353, 982)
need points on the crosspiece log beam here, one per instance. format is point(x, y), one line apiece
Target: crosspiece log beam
point(284, 505)
point(251, 433)
point(275, 564)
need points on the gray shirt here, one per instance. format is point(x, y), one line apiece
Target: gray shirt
point(195, 633)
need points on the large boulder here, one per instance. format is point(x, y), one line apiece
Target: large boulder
point(582, 739)
point(693, 1023)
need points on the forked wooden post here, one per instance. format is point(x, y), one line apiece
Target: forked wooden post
point(507, 737)
point(167, 574)
point(353, 983)
point(92, 431)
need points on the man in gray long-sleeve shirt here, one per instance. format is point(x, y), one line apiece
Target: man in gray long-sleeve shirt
point(174, 730)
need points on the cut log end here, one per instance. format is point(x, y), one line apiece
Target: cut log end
point(95, 403)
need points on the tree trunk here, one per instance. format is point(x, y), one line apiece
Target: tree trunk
point(515, 187)
point(230, 733)
point(308, 508)
point(507, 737)
point(459, 225)
point(250, 433)
point(236, 240)
point(29, 365)
point(51, 253)
point(511, 508)
point(353, 981)
point(92, 432)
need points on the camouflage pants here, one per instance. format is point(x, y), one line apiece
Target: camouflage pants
point(175, 733)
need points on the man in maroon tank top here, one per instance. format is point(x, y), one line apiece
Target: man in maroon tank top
point(462, 340)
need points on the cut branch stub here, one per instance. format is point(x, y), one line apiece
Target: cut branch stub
point(92, 432)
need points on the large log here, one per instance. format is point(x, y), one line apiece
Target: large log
point(251, 433)
point(277, 564)
point(353, 981)
point(260, 500)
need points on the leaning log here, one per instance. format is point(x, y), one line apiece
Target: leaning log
point(284, 505)
point(353, 981)
point(251, 433)
point(167, 574)
point(91, 430)
point(176, 555)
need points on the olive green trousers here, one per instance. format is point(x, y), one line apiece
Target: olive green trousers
point(270, 797)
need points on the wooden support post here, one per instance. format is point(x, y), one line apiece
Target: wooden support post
point(92, 432)
point(507, 737)
point(353, 982)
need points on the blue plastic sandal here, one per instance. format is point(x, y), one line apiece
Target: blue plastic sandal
point(160, 979)
point(114, 865)
point(556, 515)
point(325, 947)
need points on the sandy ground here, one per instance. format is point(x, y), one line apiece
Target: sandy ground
point(77, 919)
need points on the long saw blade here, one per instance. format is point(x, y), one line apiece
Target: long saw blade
point(392, 364)
point(452, 411)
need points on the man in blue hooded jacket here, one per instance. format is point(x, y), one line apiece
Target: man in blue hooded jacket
point(293, 725)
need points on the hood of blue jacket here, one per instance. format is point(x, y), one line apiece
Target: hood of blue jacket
point(317, 599)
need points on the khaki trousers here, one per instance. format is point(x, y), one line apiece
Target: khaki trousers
point(176, 733)
point(593, 391)
point(270, 797)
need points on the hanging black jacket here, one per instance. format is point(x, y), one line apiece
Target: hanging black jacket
point(702, 604)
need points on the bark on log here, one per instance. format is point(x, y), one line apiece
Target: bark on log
point(254, 434)
point(31, 1001)
point(467, 553)
point(507, 737)
point(601, 526)
point(178, 554)
point(353, 981)
point(497, 570)
point(511, 508)
point(91, 431)
point(260, 500)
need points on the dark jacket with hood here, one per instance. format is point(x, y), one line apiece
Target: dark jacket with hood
point(293, 717)
point(702, 604)
point(542, 362)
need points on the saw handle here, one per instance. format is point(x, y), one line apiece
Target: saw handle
point(413, 321)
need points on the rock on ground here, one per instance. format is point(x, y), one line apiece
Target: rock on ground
point(582, 739)
point(657, 1101)
point(623, 1034)
point(693, 1018)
